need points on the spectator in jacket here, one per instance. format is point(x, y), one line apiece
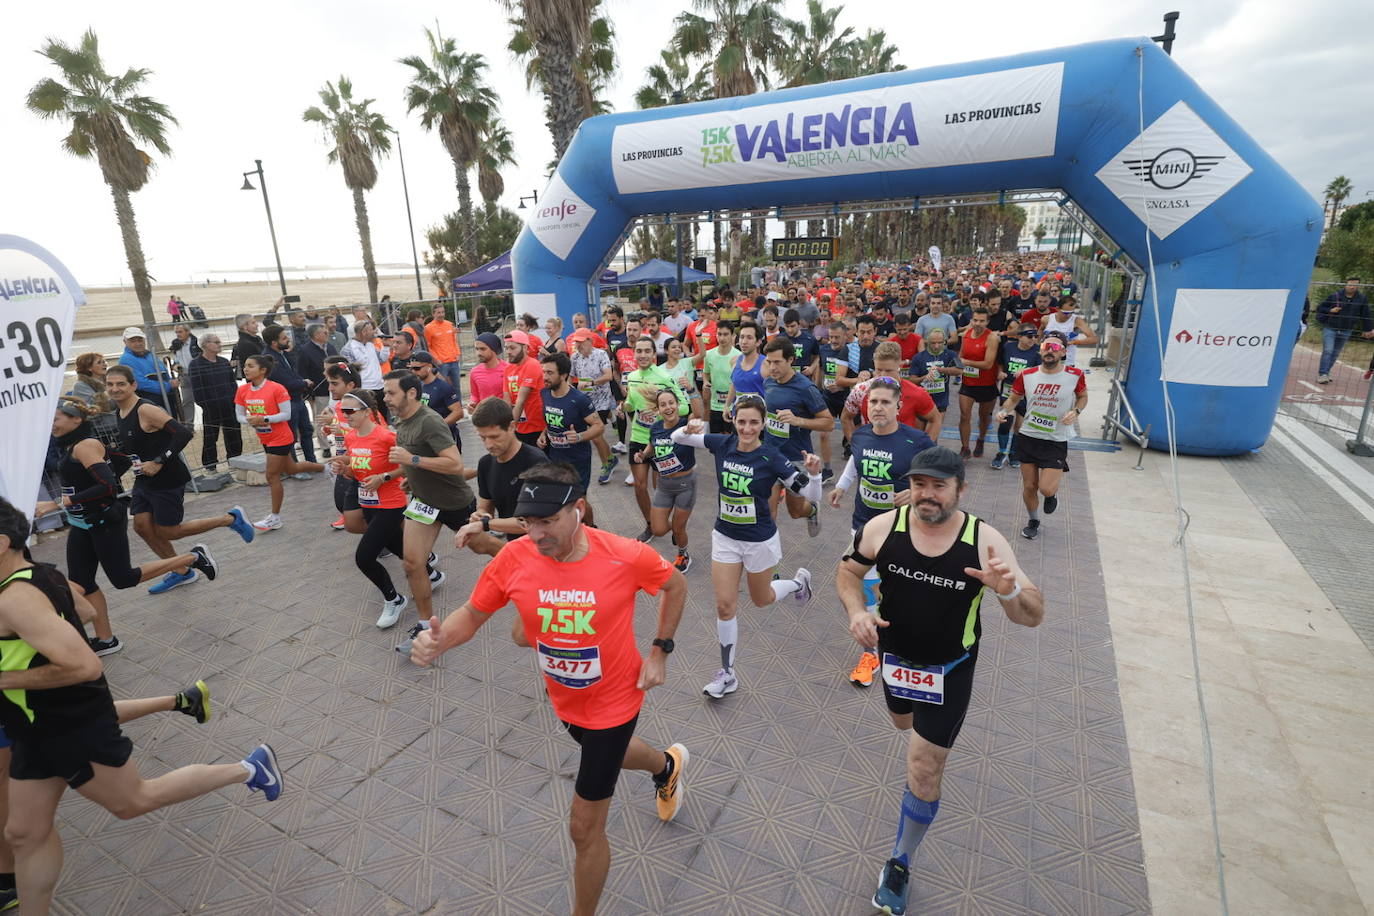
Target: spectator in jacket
point(1341, 314)
point(212, 378)
point(184, 348)
point(151, 379)
point(310, 357)
point(249, 343)
point(278, 340)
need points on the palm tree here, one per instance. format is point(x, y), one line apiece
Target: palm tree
point(570, 57)
point(497, 150)
point(107, 117)
point(1039, 232)
point(1336, 192)
point(672, 82)
point(452, 94)
point(872, 54)
point(740, 38)
point(359, 135)
point(814, 50)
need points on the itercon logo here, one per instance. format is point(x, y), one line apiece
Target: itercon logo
point(1172, 168)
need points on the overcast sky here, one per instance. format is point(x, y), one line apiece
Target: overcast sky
point(1297, 77)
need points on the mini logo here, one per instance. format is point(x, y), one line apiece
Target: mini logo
point(1183, 336)
point(1172, 168)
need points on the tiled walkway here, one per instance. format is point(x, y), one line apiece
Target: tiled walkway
point(446, 791)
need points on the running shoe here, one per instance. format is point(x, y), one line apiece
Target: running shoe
point(724, 682)
point(965, 453)
point(404, 645)
point(174, 580)
point(266, 774)
point(194, 701)
point(607, 467)
point(619, 447)
point(999, 460)
point(269, 522)
point(802, 578)
point(1014, 462)
point(646, 535)
point(241, 526)
point(1324, 379)
point(436, 578)
point(682, 563)
point(433, 558)
point(1032, 529)
point(303, 475)
point(630, 479)
point(813, 521)
point(204, 562)
point(391, 611)
point(338, 524)
point(862, 675)
point(105, 646)
point(978, 449)
point(1368, 374)
point(384, 554)
point(892, 884)
point(668, 796)
point(1051, 503)
point(827, 474)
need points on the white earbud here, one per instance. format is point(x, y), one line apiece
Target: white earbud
point(579, 515)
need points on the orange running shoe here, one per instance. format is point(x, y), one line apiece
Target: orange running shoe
point(337, 524)
point(862, 675)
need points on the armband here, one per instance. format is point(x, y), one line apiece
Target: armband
point(855, 554)
point(799, 482)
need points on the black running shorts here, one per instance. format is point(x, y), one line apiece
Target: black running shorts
point(603, 753)
point(1043, 453)
point(346, 493)
point(70, 755)
point(980, 393)
point(167, 506)
point(938, 724)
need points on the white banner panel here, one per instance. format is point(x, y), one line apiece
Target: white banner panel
point(1173, 171)
point(1224, 336)
point(990, 117)
point(560, 217)
point(37, 310)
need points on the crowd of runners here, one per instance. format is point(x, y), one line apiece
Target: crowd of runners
point(781, 391)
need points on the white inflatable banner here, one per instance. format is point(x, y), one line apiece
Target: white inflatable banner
point(38, 302)
point(988, 117)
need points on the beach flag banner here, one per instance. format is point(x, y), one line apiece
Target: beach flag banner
point(38, 303)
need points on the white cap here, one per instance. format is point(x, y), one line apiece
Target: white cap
point(133, 332)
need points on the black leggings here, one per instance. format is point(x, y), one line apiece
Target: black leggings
point(105, 546)
point(384, 530)
point(384, 527)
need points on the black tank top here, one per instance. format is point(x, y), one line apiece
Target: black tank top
point(931, 604)
point(57, 710)
point(149, 447)
point(76, 479)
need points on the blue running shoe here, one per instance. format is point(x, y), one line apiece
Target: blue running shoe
point(607, 468)
point(266, 774)
point(891, 894)
point(174, 580)
point(240, 524)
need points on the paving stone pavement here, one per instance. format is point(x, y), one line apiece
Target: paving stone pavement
point(446, 790)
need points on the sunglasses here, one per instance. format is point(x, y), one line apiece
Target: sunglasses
point(350, 411)
point(414, 366)
point(885, 378)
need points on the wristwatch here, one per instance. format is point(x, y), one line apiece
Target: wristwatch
point(415, 460)
point(486, 523)
point(667, 645)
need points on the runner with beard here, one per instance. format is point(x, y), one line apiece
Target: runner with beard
point(1020, 353)
point(934, 561)
point(1055, 396)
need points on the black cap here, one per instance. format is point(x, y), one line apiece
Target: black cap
point(421, 356)
point(937, 462)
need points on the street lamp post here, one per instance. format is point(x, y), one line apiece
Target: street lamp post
point(248, 186)
point(405, 188)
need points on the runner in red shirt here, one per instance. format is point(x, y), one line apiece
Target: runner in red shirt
point(366, 458)
point(917, 408)
point(265, 405)
point(524, 381)
point(574, 589)
point(906, 338)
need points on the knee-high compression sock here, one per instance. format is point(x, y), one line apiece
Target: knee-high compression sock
point(784, 587)
point(871, 585)
point(727, 631)
point(916, 817)
point(1004, 436)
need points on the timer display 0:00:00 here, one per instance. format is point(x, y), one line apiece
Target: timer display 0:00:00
point(803, 249)
point(48, 335)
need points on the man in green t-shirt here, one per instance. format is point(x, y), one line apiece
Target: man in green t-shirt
point(717, 363)
point(642, 386)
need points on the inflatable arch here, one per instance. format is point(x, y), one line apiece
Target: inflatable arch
point(1231, 235)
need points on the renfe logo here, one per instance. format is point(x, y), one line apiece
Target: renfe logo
point(564, 208)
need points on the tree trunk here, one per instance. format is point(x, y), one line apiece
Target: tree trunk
point(715, 263)
point(557, 62)
point(469, 244)
point(138, 267)
point(814, 227)
point(365, 237)
point(736, 230)
point(758, 232)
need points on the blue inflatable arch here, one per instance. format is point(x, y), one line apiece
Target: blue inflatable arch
point(1230, 242)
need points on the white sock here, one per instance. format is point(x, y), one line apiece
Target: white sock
point(784, 587)
point(252, 770)
point(727, 631)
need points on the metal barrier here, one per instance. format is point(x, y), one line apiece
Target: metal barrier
point(1340, 403)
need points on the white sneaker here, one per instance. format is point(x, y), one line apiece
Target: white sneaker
point(723, 683)
point(391, 612)
point(802, 578)
point(629, 480)
point(270, 522)
point(619, 447)
point(1324, 379)
point(437, 579)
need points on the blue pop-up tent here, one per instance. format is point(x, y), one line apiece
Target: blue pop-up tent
point(657, 270)
point(495, 276)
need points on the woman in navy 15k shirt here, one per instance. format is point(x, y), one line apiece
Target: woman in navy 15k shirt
point(744, 539)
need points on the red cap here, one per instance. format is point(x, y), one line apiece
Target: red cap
point(519, 337)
